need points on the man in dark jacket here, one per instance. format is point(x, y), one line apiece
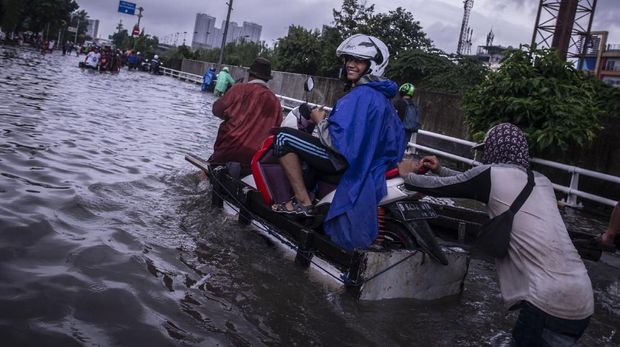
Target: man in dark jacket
point(248, 110)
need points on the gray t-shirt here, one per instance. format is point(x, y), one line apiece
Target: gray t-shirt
point(542, 266)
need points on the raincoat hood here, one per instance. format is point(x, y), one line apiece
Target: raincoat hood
point(383, 85)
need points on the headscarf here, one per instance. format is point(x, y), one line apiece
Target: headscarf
point(505, 143)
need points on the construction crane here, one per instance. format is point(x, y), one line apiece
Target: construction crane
point(466, 32)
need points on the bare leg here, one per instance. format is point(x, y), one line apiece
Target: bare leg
point(292, 168)
point(614, 226)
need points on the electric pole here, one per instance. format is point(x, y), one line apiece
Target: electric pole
point(221, 60)
point(119, 27)
point(140, 9)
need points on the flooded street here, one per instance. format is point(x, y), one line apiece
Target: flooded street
point(107, 237)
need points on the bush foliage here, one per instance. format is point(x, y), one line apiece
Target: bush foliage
point(554, 104)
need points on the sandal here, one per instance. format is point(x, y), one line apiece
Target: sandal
point(298, 209)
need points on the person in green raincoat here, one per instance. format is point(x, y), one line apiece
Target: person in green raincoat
point(223, 82)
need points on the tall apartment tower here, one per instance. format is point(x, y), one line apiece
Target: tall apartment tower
point(251, 31)
point(92, 29)
point(204, 32)
point(206, 35)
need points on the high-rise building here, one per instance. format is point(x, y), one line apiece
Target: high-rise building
point(206, 35)
point(251, 31)
point(92, 29)
point(204, 31)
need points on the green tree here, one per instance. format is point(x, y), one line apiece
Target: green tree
point(47, 15)
point(399, 30)
point(11, 15)
point(143, 43)
point(542, 94)
point(352, 18)
point(240, 53)
point(210, 55)
point(299, 51)
point(434, 70)
point(120, 37)
point(243, 53)
point(328, 42)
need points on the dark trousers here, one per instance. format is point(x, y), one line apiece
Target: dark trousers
point(307, 147)
point(536, 328)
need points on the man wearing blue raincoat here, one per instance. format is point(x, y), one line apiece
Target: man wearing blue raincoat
point(361, 139)
point(208, 80)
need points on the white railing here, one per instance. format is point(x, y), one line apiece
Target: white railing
point(572, 192)
point(184, 76)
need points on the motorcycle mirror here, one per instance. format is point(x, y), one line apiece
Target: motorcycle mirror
point(309, 84)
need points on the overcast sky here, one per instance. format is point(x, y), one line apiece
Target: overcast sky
point(512, 21)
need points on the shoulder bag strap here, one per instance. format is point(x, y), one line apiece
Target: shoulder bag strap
point(525, 193)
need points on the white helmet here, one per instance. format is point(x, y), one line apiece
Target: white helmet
point(156, 56)
point(369, 48)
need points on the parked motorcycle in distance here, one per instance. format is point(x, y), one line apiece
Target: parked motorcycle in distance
point(145, 65)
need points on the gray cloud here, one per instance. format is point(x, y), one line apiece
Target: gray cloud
point(512, 20)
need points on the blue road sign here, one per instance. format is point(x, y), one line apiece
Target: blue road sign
point(127, 7)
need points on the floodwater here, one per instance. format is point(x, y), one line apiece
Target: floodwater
point(107, 237)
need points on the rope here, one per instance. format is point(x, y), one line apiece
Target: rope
point(349, 282)
point(344, 279)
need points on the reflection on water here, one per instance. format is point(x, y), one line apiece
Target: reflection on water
point(107, 236)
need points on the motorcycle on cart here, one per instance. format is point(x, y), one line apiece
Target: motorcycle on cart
point(405, 261)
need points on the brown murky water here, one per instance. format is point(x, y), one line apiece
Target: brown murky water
point(107, 237)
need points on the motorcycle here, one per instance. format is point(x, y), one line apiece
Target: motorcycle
point(404, 230)
point(145, 65)
point(154, 67)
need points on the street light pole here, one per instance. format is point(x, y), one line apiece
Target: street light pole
point(221, 60)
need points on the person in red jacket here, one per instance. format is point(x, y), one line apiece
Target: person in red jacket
point(248, 110)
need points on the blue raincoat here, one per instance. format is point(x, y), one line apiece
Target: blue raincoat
point(365, 129)
point(207, 79)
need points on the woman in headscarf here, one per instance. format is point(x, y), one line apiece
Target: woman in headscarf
point(542, 274)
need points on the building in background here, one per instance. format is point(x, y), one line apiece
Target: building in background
point(204, 31)
point(206, 35)
point(491, 55)
point(602, 59)
point(92, 29)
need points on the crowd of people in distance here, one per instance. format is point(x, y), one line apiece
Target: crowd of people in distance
point(366, 133)
point(112, 60)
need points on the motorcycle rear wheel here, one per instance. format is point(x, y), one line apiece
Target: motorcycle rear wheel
point(396, 236)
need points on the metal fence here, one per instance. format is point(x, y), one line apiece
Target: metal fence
point(571, 192)
point(183, 76)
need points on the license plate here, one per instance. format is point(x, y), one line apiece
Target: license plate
point(415, 210)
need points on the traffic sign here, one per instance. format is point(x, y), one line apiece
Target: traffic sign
point(136, 30)
point(72, 29)
point(127, 7)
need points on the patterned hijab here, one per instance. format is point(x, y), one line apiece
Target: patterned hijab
point(505, 144)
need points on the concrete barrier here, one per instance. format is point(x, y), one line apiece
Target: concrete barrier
point(326, 90)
